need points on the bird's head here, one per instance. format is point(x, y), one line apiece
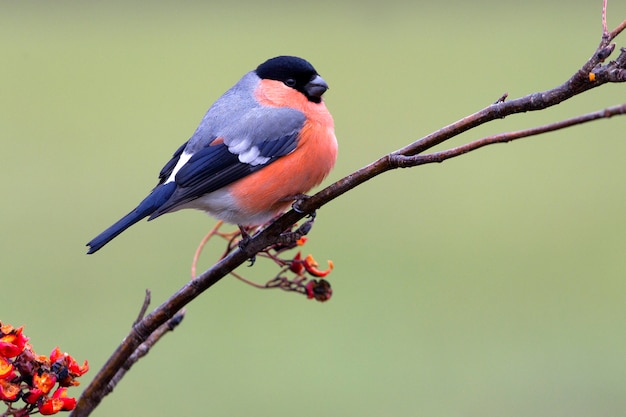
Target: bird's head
point(295, 73)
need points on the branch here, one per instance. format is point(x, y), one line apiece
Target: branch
point(403, 161)
point(143, 349)
point(591, 75)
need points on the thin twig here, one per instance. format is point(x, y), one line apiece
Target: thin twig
point(605, 28)
point(619, 29)
point(247, 281)
point(609, 36)
point(196, 255)
point(144, 307)
point(410, 161)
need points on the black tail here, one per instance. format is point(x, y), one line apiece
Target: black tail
point(149, 205)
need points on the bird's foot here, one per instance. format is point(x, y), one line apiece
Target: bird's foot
point(292, 238)
point(244, 241)
point(306, 227)
point(299, 198)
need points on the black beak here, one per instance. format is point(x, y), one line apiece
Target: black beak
point(315, 88)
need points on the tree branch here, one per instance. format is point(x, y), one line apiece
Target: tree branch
point(591, 75)
point(403, 161)
point(143, 349)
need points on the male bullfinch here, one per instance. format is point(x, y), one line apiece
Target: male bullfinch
point(266, 141)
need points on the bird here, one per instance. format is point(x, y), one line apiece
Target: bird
point(262, 145)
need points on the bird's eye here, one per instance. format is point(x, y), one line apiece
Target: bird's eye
point(290, 82)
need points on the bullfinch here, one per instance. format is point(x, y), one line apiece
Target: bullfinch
point(265, 142)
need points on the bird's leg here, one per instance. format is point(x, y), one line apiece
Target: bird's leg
point(290, 239)
point(245, 239)
point(298, 198)
point(306, 227)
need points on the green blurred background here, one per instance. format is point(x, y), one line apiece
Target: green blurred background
point(490, 285)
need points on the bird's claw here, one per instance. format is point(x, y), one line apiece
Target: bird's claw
point(306, 227)
point(296, 205)
point(244, 241)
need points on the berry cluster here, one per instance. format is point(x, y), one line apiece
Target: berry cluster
point(32, 378)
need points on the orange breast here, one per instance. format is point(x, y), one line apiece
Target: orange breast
point(272, 189)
